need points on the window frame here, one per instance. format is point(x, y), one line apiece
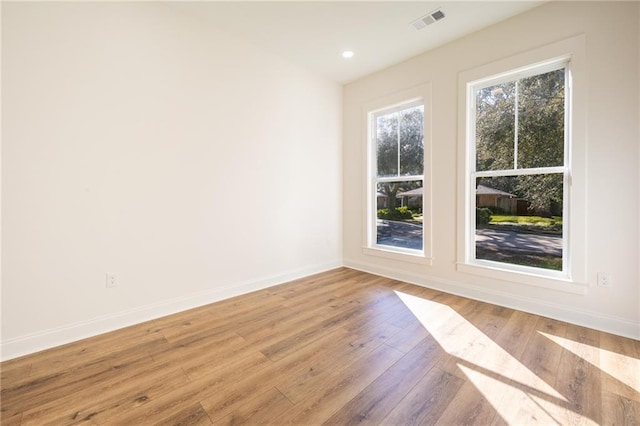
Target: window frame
point(569, 54)
point(418, 96)
point(473, 173)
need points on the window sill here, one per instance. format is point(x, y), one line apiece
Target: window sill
point(403, 256)
point(553, 283)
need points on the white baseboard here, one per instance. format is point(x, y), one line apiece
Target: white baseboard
point(597, 321)
point(23, 345)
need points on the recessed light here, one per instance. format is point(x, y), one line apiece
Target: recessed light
point(347, 54)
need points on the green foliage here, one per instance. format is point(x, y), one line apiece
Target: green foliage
point(399, 213)
point(399, 136)
point(495, 210)
point(483, 215)
point(495, 127)
point(399, 142)
point(540, 136)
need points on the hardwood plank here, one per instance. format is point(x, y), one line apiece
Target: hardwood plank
point(182, 326)
point(235, 394)
point(380, 398)
point(193, 350)
point(321, 368)
point(343, 387)
point(500, 356)
point(407, 338)
point(108, 398)
point(427, 401)
point(578, 377)
point(273, 332)
point(41, 390)
point(320, 287)
point(371, 284)
point(335, 277)
point(238, 362)
point(221, 404)
point(488, 319)
point(193, 415)
point(514, 334)
point(532, 397)
point(322, 304)
point(218, 381)
point(292, 343)
point(619, 410)
point(464, 341)
point(468, 407)
point(275, 323)
point(11, 420)
point(14, 373)
point(78, 354)
point(265, 408)
point(219, 323)
point(617, 358)
point(542, 355)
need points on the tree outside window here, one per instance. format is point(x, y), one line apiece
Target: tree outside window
point(520, 149)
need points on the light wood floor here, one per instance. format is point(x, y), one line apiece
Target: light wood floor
point(342, 347)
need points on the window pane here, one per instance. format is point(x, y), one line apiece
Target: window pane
point(412, 141)
point(387, 144)
point(495, 127)
point(541, 120)
point(399, 214)
point(519, 220)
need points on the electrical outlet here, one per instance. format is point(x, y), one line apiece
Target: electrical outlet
point(604, 279)
point(112, 279)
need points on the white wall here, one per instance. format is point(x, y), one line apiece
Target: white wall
point(612, 49)
point(138, 141)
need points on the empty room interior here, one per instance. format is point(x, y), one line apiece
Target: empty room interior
point(320, 212)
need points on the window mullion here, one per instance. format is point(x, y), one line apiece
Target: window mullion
point(515, 128)
point(399, 178)
point(398, 139)
point(520, 172)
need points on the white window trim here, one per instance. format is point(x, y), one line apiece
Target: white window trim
point(422, 95)
point(575, 280)
point(564, 170)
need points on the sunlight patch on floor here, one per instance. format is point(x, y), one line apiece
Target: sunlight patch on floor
point(615, 364)
point(514, 405)
point(517, 394)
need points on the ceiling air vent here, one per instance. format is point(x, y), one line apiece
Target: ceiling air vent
point(428, 19)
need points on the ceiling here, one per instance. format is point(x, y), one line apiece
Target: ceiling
point(313, 34)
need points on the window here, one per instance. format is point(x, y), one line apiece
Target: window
point(398, 138)
point(398, 226)
point(522, 168)
point(518, 167)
